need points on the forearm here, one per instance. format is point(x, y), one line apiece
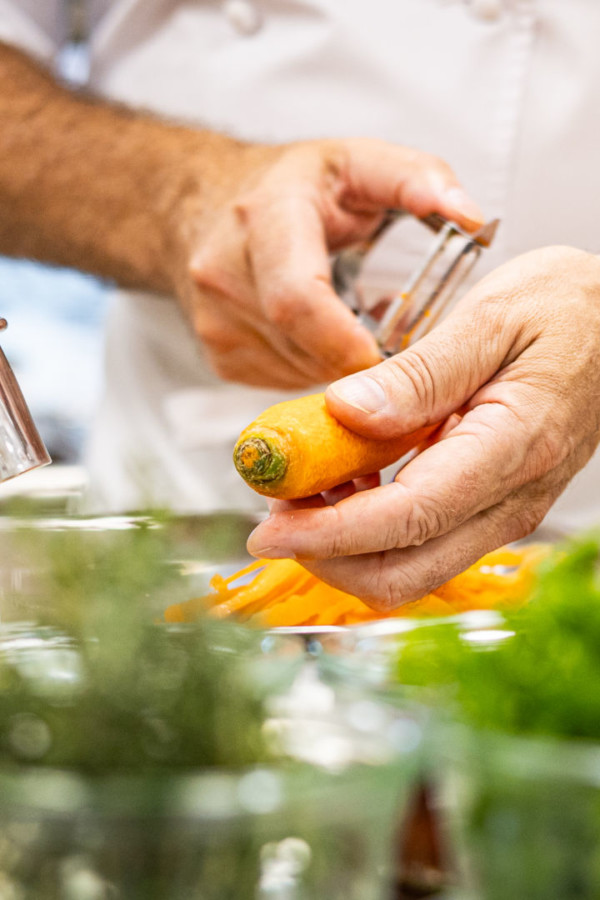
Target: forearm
point(240, 234)
point(94, 186)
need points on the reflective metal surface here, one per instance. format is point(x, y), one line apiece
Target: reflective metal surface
point(398, 320)
point(21, 447)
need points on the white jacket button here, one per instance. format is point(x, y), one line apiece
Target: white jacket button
point(488, 10)
point(243, 15)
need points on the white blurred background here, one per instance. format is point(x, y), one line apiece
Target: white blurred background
point(54, 344)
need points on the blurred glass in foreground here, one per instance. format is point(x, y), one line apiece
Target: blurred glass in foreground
point(141, 760)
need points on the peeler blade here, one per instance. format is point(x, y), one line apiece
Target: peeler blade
point(399, 320)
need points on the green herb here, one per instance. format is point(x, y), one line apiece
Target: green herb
point(97, 684)
point(545, 679)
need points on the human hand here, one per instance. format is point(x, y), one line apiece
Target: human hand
point(515, 372)
point(256, 281)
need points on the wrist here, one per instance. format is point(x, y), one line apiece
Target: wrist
point(185, 173)
point(205, 176)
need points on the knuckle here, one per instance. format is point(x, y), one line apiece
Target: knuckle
point(548, 452)
point(334, 157)
point(518, 517)
point(393, 585)
point(208, 332)
point(336, 546)
point(529, 515)
point(312, 154)
point(207, 269)
point(339, 540)
point(444, 168)
point(284, 305)
point(425, 519)
point(414, 366)
point(247, 203)
point(216, 338)
point(381, 591)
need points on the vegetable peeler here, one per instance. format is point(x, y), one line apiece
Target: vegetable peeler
point(397, 321)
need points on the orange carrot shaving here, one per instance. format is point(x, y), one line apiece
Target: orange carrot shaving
point(283, 593)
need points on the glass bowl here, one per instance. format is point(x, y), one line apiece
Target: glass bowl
point(266, 832)
point(192, 548)
point(523, 814)
point(315, 819)
point(370, 656)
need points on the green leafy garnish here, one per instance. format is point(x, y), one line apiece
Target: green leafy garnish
point(96, 683)
point(545, 678)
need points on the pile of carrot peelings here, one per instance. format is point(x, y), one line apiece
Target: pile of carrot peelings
point(283, 593)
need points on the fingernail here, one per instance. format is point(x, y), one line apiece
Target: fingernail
point(266, 552)
point(273, 553)
point(462, 204)
point(360, 391)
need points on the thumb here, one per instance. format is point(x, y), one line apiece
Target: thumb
point(422, 385)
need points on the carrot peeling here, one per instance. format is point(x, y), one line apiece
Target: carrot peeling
point(283, 593)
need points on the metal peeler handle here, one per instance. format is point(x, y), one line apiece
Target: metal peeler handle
point(399, 320)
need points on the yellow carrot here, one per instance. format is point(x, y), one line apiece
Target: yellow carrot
point(297, 448)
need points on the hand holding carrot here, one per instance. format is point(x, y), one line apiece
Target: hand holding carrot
point(519, 357)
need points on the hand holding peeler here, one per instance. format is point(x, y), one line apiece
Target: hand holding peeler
point(397, 321)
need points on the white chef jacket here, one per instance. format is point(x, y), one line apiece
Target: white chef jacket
point(508, 91)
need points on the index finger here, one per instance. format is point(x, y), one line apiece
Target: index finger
point(292, 273)
point(378, 175)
